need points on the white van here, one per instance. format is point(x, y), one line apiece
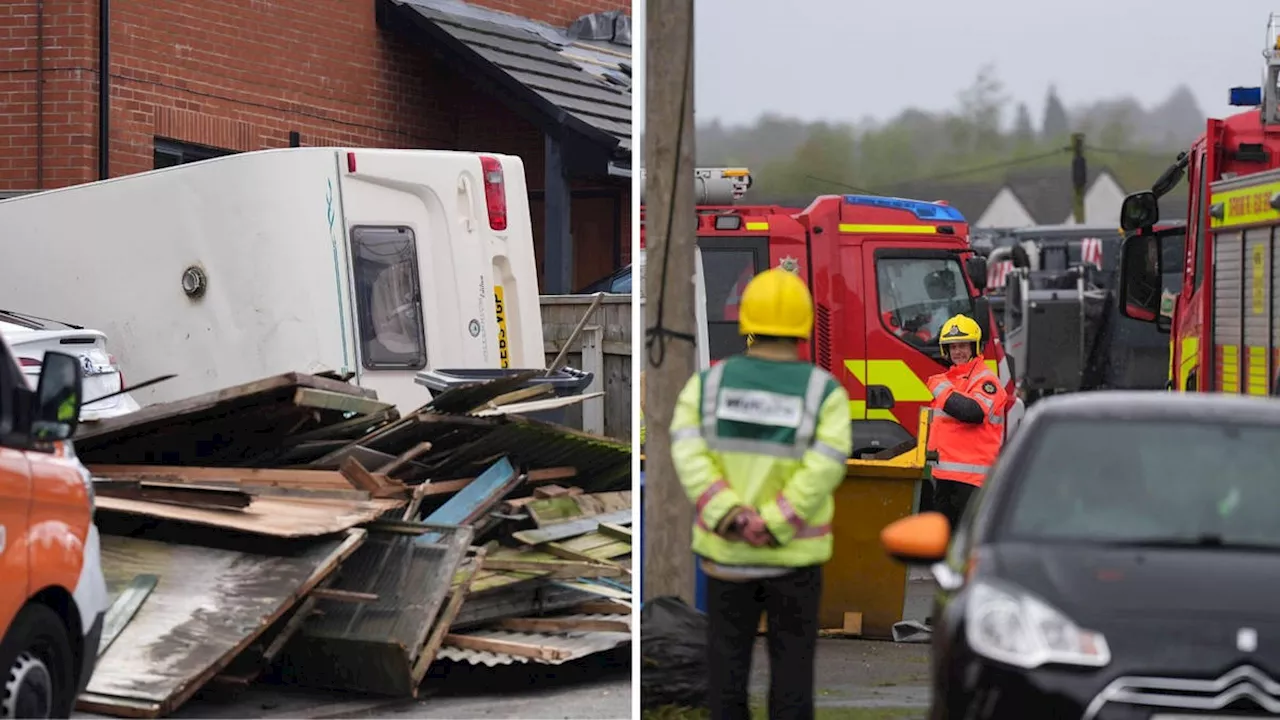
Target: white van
point(380, 263)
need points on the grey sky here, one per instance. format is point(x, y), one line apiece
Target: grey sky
point(848, 59)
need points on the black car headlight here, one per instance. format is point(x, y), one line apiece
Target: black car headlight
point(1012, 626)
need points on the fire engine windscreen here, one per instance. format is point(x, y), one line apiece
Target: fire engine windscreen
point(918, 295)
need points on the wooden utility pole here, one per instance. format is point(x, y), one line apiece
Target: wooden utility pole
point(1079, 177)
point(670, 227)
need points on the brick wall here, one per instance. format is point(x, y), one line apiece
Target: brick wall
point(240, 75)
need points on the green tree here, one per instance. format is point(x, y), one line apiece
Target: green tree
point(982, 107)
point(1024, 133)
point(1056, 127)
point(824, 163)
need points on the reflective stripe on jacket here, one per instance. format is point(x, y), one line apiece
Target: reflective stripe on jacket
point(966, 451)
point(765, 434)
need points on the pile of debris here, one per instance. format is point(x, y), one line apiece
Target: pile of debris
point(297, 529)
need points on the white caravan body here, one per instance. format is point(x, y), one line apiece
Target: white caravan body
point(377, 262)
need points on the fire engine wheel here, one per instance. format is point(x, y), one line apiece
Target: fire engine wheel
point(36, 660)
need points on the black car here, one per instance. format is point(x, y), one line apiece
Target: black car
point(1121, 561)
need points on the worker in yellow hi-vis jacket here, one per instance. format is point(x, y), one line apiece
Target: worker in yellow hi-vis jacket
point(760, 442)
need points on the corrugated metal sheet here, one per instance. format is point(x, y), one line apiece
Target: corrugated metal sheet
point(530, 597)
point(464, 445)
point(574, 645)
point(602, 464)
point(589, 79)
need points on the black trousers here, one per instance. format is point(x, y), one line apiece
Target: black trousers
point(951, 498)
point(790, 603)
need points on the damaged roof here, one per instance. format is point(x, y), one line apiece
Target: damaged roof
point(577, 78)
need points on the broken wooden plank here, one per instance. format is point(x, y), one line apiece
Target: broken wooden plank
point(278, 517)
point(344, 595)
point(562, 625)
point(554, 491)
point(405, 458)
point(603, 607)
point(515, 396)
point(615, 531)
point(187, 475)
point(558, 568)
point(571, 529)
point(567, 553)
point(444, 620)
point(124, 608)
point(346, 430)
point(445, 487)
point(207, 496)
point(291, 628)
point(341, 402)
point(573, 505)
point(379, 486)
point(539, 652)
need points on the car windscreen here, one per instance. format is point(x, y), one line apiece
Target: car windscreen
point(1143, 482)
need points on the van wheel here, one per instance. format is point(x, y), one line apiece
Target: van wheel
point(36, 662)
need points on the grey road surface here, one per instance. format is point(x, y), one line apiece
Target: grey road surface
point(595, 687)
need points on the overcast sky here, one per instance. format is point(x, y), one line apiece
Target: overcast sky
point(848, 59)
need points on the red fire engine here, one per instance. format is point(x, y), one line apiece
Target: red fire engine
point(885, 274)
point(1225, 316)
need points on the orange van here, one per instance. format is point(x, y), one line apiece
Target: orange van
point(53, 597)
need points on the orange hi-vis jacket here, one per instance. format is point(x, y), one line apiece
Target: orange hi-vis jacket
point(967, 428)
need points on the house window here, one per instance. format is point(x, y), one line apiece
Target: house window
point(171, 152)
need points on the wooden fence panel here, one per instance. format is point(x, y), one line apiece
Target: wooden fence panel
point(603, 348)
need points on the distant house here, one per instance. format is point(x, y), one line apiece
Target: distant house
point(1044, 197)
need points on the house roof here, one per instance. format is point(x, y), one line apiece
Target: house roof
point(1046, 193)
point(576, 80)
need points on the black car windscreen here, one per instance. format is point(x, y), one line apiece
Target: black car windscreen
point(1113, 480)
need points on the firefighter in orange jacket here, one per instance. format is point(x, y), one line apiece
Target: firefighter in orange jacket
point(967, 428)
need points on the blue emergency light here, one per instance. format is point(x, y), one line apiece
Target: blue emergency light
point(922, 210)
point(1245, 97)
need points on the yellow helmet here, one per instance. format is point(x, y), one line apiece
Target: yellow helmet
point(960, 329)
point(777, 303)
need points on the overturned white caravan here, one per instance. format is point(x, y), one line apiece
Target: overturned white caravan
point(380, 263)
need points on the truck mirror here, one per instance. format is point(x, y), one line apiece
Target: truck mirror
point(982, 313)
point(1140, 278)
point(1139, 210)
point(1020, 257)
point(56, 413)
point(976, 268)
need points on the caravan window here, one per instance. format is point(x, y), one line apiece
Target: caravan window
point(388, 298)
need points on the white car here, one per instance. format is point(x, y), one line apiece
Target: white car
point(30, 337)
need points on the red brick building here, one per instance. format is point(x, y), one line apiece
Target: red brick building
point(192, 79)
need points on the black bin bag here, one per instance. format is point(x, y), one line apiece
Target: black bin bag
point(673, 654)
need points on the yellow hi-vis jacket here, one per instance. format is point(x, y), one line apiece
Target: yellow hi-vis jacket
point(764, 434)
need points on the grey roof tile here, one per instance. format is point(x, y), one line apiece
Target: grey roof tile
point(588, 78)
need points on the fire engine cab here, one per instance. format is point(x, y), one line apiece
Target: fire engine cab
point(885, 274)
point(1225, 313)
